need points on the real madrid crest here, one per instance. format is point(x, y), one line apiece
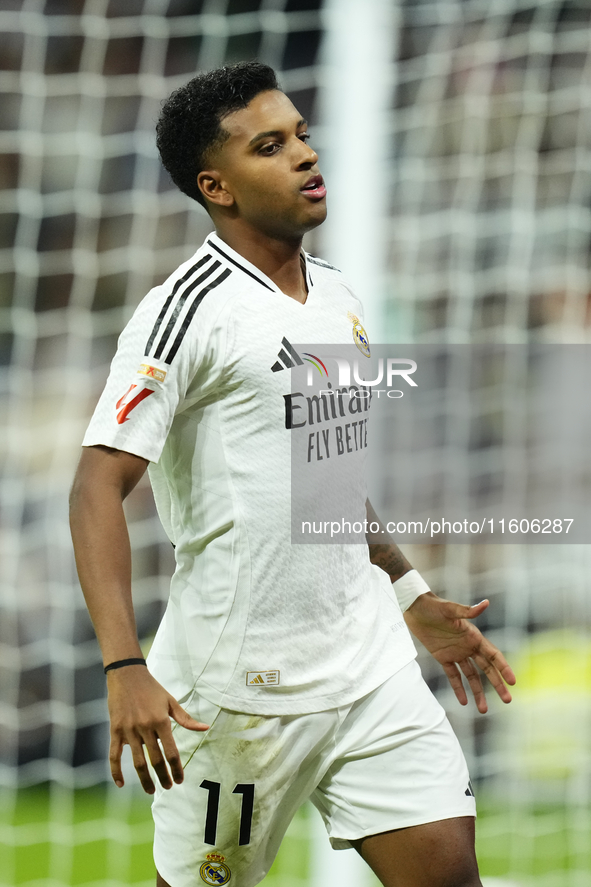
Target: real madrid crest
point(214, 870)
point(359, 335)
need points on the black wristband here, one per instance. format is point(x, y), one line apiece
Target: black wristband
point(122, 662)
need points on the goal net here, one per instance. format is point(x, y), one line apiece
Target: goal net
point(90, 222)
point(486, 235)
point(488, 242)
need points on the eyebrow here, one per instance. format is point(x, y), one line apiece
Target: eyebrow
point(275, 132)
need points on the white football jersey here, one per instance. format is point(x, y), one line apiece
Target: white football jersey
point(199, 387)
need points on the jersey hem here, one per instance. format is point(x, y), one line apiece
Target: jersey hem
point(292, 706)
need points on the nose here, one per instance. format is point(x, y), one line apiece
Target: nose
point(308, 156)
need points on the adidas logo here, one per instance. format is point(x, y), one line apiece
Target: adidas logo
point(469, 791)
point(260, 678)
point(287, 358)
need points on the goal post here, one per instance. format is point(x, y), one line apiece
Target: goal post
point(355, 101)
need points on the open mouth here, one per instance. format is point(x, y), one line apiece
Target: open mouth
point(314, 188)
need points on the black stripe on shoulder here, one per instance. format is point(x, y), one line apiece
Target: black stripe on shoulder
point(238, 265)
point(164, 339)
point(191, 312)
point(168, 301)
point(321, 263)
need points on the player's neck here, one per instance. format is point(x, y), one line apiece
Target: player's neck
point(278, 259)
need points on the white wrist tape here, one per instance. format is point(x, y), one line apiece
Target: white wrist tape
point(408, 588)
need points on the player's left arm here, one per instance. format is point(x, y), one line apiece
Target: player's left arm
point(443, 627)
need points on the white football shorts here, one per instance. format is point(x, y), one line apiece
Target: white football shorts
point(387, 761)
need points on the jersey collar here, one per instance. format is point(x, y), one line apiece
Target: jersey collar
point(222, 248)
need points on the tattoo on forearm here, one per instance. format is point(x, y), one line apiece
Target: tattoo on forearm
point(390, 559)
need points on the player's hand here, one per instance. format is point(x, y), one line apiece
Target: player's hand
point(443, 627)
point(140, 710)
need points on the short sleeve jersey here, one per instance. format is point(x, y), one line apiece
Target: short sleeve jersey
point(198, 388)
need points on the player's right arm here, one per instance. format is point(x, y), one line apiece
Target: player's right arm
point(139, 707)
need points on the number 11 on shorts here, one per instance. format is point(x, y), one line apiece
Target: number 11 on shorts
point(213, 805)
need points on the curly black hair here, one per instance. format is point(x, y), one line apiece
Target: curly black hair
point(190, 121)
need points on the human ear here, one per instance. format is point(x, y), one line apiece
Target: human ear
point(211, 186)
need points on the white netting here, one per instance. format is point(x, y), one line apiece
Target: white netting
point(488, 239)
point(489, 234)
point(490, 171)
point(89, 222)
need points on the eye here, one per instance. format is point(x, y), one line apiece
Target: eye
point(269, 149)
point(304, 136)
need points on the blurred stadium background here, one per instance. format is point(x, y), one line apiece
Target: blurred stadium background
point(455, 138)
